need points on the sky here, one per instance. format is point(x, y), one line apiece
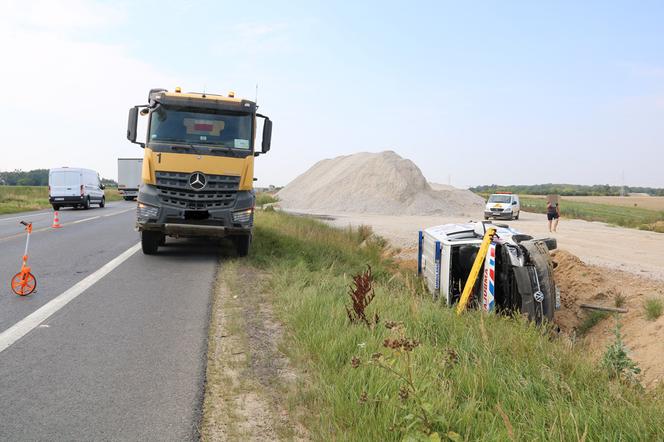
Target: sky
point(505, 92)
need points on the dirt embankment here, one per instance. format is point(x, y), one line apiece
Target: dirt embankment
point(581, 283)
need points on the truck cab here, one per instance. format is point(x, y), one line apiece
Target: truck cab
point(502, 205)
point(198, 167)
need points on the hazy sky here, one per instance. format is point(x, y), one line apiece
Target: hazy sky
point(497, 92)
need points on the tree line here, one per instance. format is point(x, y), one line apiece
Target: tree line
point(35, 177)
point(568, 189)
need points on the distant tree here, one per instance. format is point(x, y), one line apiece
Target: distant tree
point(566, 189)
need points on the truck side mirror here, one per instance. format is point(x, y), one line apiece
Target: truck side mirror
point(267, 135)
point(514, 203)
point(132, 122)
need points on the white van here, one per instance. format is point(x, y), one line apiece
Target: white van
point(502, 206)
point(74, 187)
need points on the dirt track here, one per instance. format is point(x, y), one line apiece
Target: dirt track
point(635, 251)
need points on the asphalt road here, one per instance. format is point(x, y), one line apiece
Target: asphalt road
point(124, 359)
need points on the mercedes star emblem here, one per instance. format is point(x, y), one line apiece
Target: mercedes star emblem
point(197, 180)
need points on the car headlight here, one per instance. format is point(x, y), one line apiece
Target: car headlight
point(243, 216)
point(509, 209)
point(145, 211)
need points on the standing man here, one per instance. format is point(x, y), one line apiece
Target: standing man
point(553, 214)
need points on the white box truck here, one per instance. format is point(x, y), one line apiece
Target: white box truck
point(129, 177)
point(74, 187)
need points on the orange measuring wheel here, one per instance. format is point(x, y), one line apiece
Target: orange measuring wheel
point(24, 283)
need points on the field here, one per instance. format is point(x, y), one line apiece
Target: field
point(611, 210)
point(415, 370)
point(15, 199)
point(642, 202)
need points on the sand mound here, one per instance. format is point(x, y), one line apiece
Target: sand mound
point(381, 183)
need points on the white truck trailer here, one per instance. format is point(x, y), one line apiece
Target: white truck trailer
point(129, 177)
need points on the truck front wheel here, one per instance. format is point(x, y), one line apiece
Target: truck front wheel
point(150, 242)
point(242, 244)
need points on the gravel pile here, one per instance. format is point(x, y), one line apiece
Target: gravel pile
point(380, 183)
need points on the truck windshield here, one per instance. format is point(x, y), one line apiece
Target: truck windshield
point(196, 126)
point(500, 199)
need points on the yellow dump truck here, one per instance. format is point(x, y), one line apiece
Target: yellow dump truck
point(198, 167)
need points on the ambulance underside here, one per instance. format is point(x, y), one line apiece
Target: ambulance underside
point(517, 275)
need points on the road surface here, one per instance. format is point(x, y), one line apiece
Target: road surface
point(124, 358)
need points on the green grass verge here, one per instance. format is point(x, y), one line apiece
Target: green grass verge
point(478, 377)
point(612, 214)
point(15, 199)
point(265, 198)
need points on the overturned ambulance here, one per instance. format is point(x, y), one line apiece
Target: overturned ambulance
point(516, 276)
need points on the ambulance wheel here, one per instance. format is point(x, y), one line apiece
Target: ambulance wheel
point(540, 259)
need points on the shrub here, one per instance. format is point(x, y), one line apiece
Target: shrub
point(593, 318)
point(654, 308)
point(616, 361)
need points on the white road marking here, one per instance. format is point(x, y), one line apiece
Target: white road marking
point(64, 224)
point(30, 322)
point(51, 212)
point(116, 213)
point(25, 216)
point(85, 219)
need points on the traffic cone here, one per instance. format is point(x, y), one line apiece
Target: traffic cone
point(56, 220)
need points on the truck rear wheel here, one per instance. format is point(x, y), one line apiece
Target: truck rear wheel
point(86, 204)
point(150, 242)
point(242, 244)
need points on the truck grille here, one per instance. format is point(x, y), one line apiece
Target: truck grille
point(220, 191)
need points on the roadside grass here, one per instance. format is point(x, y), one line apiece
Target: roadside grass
point(507, 379)
point(23, 198)
point(265, 198)
point(654, 307)
point(15, 199)
point(635, 217)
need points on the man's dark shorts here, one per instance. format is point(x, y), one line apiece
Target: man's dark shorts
point(551, 216)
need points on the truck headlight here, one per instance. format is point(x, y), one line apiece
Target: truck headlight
point(243, 216)
point(509, 209)
point(145, 211)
